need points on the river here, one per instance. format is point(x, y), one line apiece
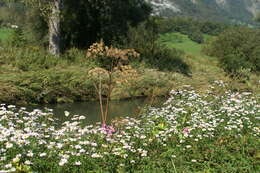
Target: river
point(91, 109)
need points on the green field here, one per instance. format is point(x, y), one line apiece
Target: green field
point(5, 33)
point(182, 42)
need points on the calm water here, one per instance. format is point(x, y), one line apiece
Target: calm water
point(91, 110)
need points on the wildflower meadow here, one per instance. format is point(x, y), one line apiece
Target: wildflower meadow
point(191, 132)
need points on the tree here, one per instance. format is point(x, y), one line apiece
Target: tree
point(54, 28)
point(51, 10)
point(85, 22)
point(237, 49)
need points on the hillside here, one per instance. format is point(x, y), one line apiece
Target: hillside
point(236, 11)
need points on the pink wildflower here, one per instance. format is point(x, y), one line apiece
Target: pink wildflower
point(186, 130)
point(109, 130)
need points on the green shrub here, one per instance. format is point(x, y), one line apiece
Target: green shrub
point(233, 63)
point(36, 28)
point(47, 86)
point(255, 58)
point(5, 35)
point(18, 38)
point(74, 54)
point(196, 36)
point(186, 25)
point(29, 58)
point(144, 39)
point(168, 59)
point(236, 49)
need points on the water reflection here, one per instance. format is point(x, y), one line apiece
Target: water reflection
point(91, 110)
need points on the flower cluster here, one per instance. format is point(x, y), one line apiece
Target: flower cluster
point(99, 49)
point(110, 57)
point(32, 141)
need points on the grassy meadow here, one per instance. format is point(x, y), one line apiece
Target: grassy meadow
point(182, 42)
point(5, 34)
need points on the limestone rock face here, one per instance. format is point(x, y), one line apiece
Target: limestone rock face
point(160, 6)
point(253, 6)
point(237, 10)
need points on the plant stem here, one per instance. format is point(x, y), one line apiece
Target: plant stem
point(100, 101)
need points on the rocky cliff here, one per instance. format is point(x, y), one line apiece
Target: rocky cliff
point(232, 10)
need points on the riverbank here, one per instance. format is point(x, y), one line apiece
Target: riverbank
point(32, 76)
point(71, 83)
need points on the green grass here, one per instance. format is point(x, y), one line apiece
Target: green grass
point(199, 63)
point(5, 34)
point(204, 69)
point(182, 42)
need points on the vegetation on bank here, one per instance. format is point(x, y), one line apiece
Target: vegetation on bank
point(29, 75)
point(170, 56)
point(191, 133)
point(238, 50)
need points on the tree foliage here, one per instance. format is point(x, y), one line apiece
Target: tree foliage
point(144, 39)
point(44, 6)
point(12, 13)
point(192, 27)
point(85, 22)
point(237, 49)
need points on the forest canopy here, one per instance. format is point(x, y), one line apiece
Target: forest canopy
point(81, 22)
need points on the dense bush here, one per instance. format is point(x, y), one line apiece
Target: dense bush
point(196, 37)
point(17, 38)
point(188, 25)
point(30, 58)
point(144, 39)
point(212, 28)
point(35, 58)
point(192, 27)
point(237, 49)
point(31, 75)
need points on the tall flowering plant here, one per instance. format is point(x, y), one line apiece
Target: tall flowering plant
point(110, 59)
